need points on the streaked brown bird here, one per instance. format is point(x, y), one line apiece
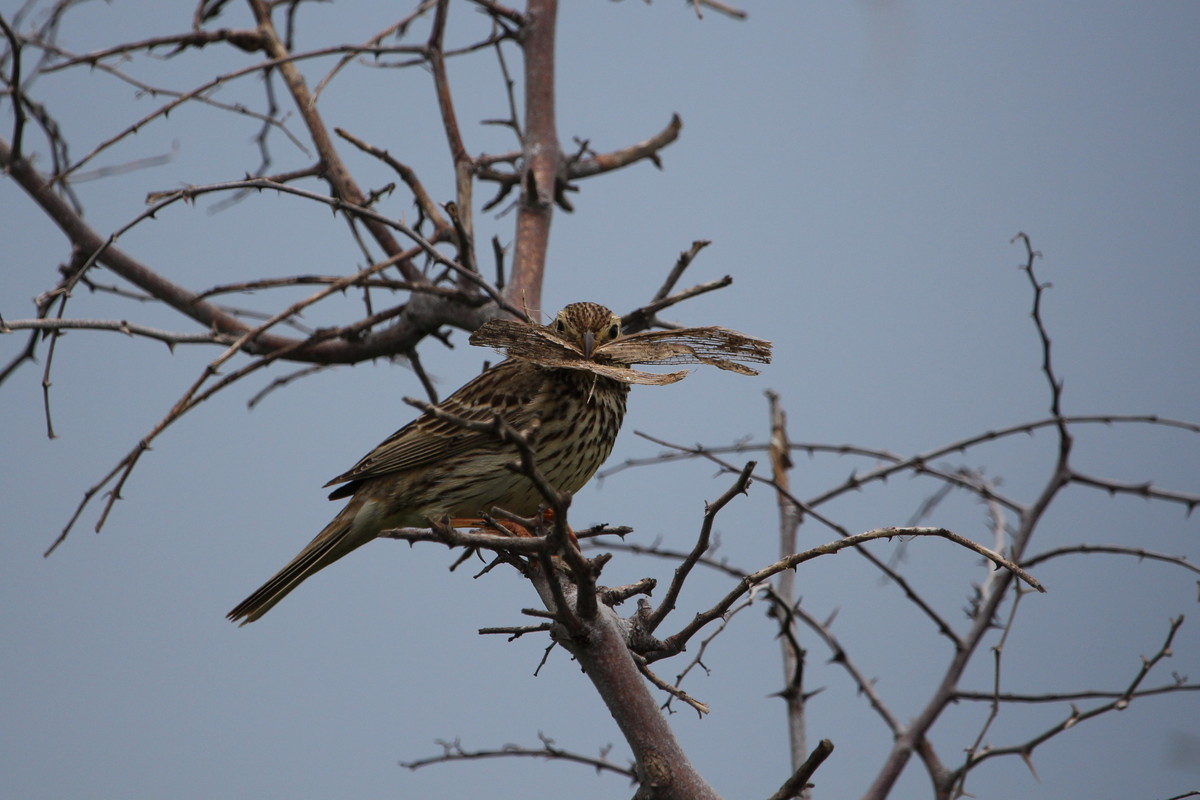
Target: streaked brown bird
point(433, 468)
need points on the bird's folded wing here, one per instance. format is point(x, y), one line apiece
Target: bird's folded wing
point(428, 440)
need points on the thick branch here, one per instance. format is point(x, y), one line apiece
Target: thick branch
point(543, 159)
point(663, 769)
point(397, 338)
point(791, 654)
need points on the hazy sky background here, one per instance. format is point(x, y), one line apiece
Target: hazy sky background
point(860, 168)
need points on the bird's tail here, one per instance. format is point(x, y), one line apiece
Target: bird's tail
point(337, 539)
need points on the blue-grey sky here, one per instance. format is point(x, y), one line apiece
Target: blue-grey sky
point(860, 169)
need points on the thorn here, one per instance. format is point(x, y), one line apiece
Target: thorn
point(1028, 759)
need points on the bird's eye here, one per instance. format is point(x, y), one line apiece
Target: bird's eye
point(614, 331)
point(559, 325)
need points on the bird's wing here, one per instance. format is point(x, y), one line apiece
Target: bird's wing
point(509, 389)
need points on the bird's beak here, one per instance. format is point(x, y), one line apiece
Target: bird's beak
point(589, 343)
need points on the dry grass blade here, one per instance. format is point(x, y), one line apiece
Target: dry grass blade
point(718, 347)
point(621, 373)
point(523, 340)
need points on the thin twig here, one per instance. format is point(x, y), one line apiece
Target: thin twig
point(675, 643)
point(1084, 549)
point(455, 752)
point(1076, 716)
point(132, 329)
point(809, 510)
point(700, 548)
point(798, 783)
point(674, 691)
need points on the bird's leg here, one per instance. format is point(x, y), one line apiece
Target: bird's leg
point(490, 524)
point(467, 522)
point(546, 517)
point(514, 526)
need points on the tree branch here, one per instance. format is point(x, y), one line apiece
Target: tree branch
point(701, 547)
point(540, 181)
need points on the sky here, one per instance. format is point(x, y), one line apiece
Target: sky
point(860, 169)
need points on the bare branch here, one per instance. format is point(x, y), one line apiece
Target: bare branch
point(1190, 501)
point(373, 46)
point(697, 660)
point(675, 643)
point(14, 84)
point(131, 329)
point(1122, 701)
point(409, 176)
point(899, 580)
point(1071, 697)
point(336, 172)
point(541, 176)
point(720, 7)
point(647, 149)
point(1083, 549)
point(839, 655)
point(682, 263)
point(501, 12)
point(453, 751)
point(792, 654)
point(619, 594)
point(194, 396)
point(994, 709)
point(914, 737)
point(895, 464)
point(453, 537)
point(1039, 290)
point(247, 40)
point(283, 381)
point(798, 783)
point(517, 631)
point(463, 164)
point(330, 349)
point(674, 691)
point(700, 548)
point(649, 311)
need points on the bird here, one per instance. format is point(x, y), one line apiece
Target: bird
point(433, 468)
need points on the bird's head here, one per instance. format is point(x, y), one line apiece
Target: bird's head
point(587, 325)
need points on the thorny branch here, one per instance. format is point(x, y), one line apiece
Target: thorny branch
point(780, 609)
point(983, 616)
point(922, 463)
point(954, 779)
point(197, 394)
point(792, 654)
point(676, 642)
point(653, 620)
point(453, 751)
point(809, 510)
point(797, 785)
point(430, 305)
